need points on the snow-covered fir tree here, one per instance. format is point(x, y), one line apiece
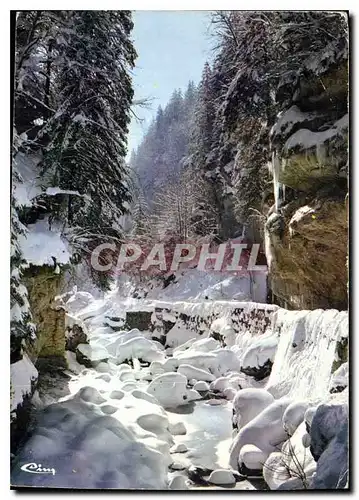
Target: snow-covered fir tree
point(73, 81)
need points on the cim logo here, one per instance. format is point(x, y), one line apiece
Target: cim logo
point(34, 468)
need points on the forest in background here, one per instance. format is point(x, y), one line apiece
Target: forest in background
point(260, 139)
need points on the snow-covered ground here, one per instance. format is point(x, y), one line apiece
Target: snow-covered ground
point(144, 413)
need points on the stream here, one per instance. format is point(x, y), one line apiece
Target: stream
point(134, 421)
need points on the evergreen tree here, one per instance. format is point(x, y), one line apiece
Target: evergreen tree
point(159, 157)
point(73, 82)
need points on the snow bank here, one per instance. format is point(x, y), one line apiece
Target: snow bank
point(23, 375)
point(88, 449)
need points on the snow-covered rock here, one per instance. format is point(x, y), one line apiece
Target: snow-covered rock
point(177, 429)
point(248, 403)
point(229, 393)
point(170, 389)
point(220, 384)
point(275, 470)
point(179, 448)
point(201, 386)
point(294, 416)
point(23, 376)
point(117, 395)
point(265, 431)
point(177, 466)
point(294, 461)
point(191, 372)
point(340, 378)
point(258, 358)
point(221, 477)
point(204, 345)
point(91, 395)
point(137, 393)
point(88, 354)
point(214, 402)
point(178, 482)
point(171, 364)
point(252, 457)
point(140, 348)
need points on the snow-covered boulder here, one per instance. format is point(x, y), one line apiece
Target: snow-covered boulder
point(293, 462)
point(205, 345)
point(202, 360)
point(226, 361)
point(252, 458)
point(265, 431)
point(117, 394)
point(140, 348)
point(222, 477)
point(178, 482)
point(229, 393)
point(340, 378)
point(191, 372)
point(258, 358)
point(220, 384)
point(156, 368)
point(294, 416)
point(170, 389)
point(91, 355)
point(275, 470)
point(177, 429)
point(137, 393)
point(179, 448)
point(248, 403)
point(201, 386)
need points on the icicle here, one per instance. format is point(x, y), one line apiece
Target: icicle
point(276, 184)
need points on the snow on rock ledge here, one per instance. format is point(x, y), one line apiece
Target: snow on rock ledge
point(41, 246)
